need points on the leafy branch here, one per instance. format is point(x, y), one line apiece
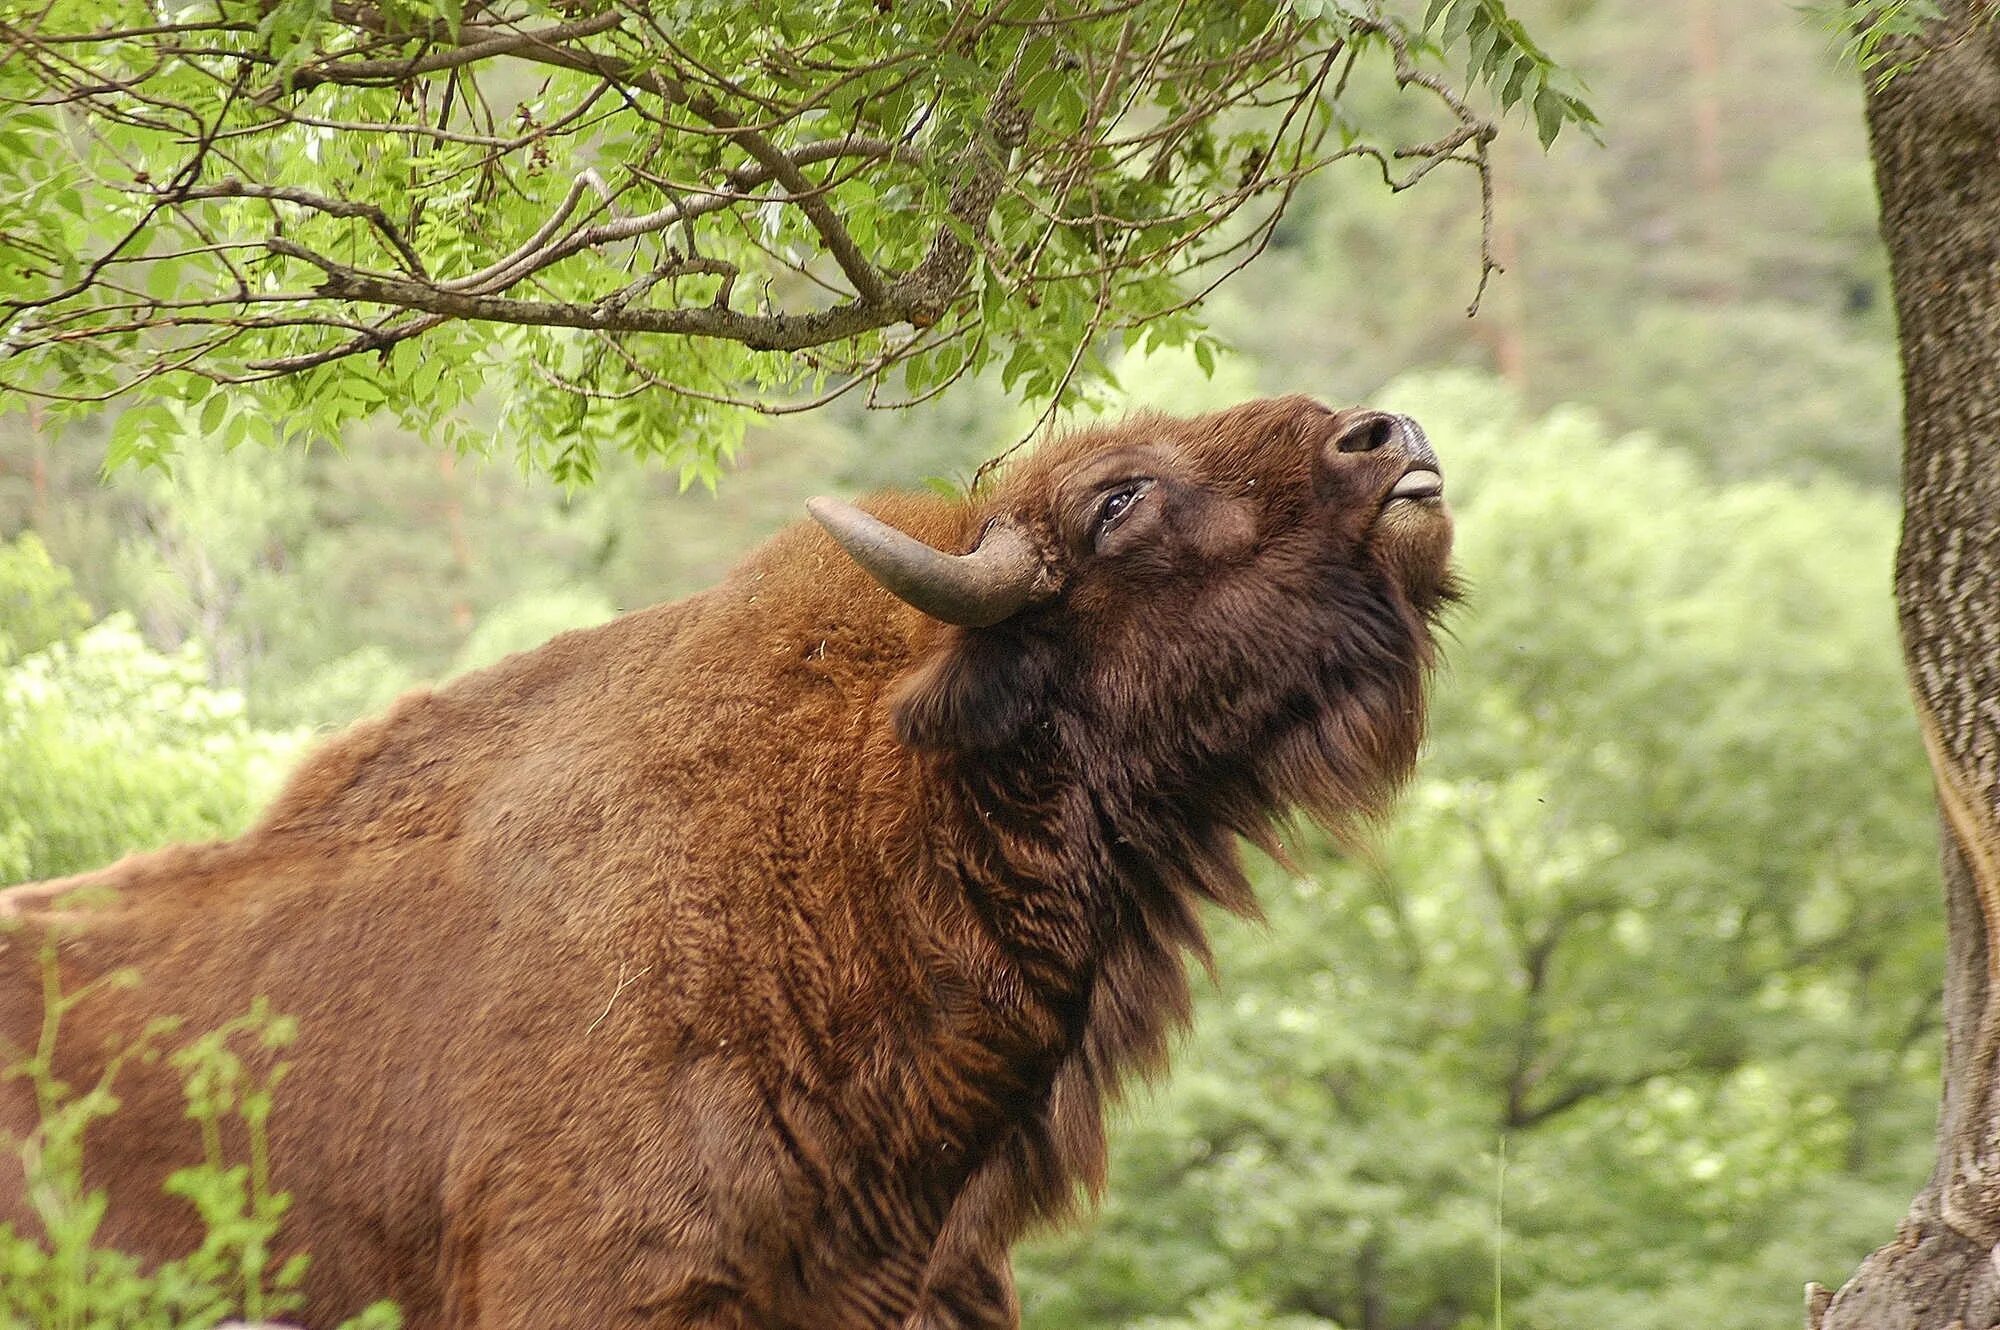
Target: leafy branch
point(1883, 38)
point(1502, 56)
point(642, 219)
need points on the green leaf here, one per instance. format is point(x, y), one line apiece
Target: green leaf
point(1550, 113)
point(1524, 67)
point(1485, 41)
point(1459, 20)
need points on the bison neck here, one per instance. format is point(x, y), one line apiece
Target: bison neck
point(1081, 902)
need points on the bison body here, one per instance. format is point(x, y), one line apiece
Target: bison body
point(766, 959)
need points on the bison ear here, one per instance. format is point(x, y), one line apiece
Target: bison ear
point(975, 695)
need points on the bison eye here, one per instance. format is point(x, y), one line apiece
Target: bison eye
point(1118, 502)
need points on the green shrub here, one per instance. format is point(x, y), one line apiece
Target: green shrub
point(112, 746)
point(62, 1279)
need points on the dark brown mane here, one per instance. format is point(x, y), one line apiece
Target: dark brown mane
point(1139, 816)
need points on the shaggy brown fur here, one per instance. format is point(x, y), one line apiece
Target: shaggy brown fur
point(766, 959)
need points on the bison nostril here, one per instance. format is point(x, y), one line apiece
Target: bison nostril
point(1365, 434)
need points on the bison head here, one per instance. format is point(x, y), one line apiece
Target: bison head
point(1232, 610)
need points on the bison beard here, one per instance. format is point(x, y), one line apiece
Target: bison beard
point(768, 959)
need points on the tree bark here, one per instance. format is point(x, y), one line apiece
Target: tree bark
point(1934, 130)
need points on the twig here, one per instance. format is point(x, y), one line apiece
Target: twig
point(622, 984)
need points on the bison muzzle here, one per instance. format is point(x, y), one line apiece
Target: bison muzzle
point(767, 959)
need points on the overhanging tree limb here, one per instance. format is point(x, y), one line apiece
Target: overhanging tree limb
point(799, 192)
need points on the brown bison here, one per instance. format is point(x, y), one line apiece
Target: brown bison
point(767, 959)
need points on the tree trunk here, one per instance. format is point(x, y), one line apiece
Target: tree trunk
point(1935, 134)
point(1705, 105)
point(1708, 82)
point(1508, 331)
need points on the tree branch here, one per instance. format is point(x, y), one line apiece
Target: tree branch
point(477, 43)
point(242, 189)
point(759, 332)
point(982, 169)
point(1088, 214)
point(812, 202)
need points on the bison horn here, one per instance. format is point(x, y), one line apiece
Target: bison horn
point(971, 590)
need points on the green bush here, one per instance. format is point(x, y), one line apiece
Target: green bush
point(112, 746)
point(61, 1279)
point(38, 600)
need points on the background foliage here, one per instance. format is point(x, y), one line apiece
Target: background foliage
point(1632, 1019)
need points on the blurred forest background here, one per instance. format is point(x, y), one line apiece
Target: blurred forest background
point(1632, 1020)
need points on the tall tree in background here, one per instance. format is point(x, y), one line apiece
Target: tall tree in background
point(1934, 122)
